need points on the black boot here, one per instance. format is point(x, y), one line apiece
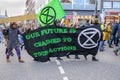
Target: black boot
point(68, 56)
point(115, 51)
point(110, 46)
point(94, 58)
point(49, 59)
point(58, 58)
point(6, 51)
point(76, 57)
point(116, 45)
point(85, 57)
point(22, 47)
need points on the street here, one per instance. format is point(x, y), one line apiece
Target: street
point(107, 68)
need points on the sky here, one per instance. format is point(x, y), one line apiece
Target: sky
point(13, 7)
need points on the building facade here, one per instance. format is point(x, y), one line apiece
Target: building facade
point(30, 6)
point(40, 4)
point(111, 10)
point(83, 8)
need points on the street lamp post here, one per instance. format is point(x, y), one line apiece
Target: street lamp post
point(95, 12)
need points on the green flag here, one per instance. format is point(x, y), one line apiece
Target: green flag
point(51, 12)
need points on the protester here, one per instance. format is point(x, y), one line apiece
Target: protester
point(95, 24)
point(13, 42)
point(102, 41)
point(87, 24)
point(118, 36)
point(76, 54)
point(116, 42)
point(106, 33)
point(57, 23)
point(113, 34)
point(20, 38)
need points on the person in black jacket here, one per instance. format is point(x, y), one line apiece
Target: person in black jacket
point(57, 23)
point(118, 36)
point(113, 33)
point(96, 24)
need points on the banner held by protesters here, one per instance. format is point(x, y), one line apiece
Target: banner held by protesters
point(52, 40)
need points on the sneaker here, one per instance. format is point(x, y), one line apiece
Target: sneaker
point(115, 51)
point(8, 60)
point(94, 59)
point(21, 61)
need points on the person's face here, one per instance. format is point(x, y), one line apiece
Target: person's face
point(14, 26)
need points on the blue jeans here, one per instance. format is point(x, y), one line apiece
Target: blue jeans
point(101, 45)
point(112, 38)
point(118, 46)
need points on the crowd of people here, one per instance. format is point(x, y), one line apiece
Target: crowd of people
point(12, 37)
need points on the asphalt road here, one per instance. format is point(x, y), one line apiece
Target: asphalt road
point(107, 68)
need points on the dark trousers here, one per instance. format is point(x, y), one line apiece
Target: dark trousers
point(17, 51)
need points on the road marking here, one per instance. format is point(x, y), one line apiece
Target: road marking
point(58, 62)
point(61, 70)
point(65, 78)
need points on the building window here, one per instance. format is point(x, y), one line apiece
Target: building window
point(81, 2)
point(78, 1)
point(116, 4)
point(92, 1)
point(87, 2)
point(107, 4)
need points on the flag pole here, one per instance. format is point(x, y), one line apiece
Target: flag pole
point(95, 12)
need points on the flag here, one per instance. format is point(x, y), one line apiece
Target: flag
point(51, 12)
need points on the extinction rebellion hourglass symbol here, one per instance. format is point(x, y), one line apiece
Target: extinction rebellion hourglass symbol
point(47, 15)
point(90, 40)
